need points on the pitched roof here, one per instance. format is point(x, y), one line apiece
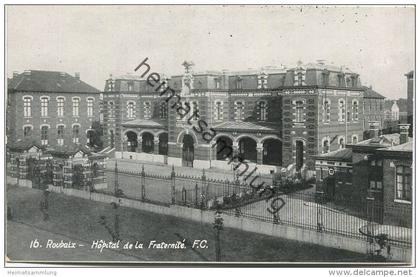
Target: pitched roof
point(344, 154)
point(22, 145)
point(387, 140)
point(142, 123)
point(405, 147)
point(49, 81)
point(244, 126)
point(67, 150)
point(370, 93)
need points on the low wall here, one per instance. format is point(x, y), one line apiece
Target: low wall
point(247, 224)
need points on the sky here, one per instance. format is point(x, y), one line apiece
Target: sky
point(377, 42)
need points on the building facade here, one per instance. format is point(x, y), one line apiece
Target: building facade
point(271, 117)
point(373, 110)
point(377, 170)
point(50, 108)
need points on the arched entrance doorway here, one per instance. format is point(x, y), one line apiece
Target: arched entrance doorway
point(131, 141)
point(248, 149)
point(299, 154)
point(272, 152)
point(147, 144)
point(224, 148)
point(188, 151)
point(163, 144)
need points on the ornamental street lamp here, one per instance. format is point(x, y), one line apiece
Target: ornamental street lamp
point(218, 226)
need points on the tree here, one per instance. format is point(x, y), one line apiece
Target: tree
point(78, 176)
point(96, 135)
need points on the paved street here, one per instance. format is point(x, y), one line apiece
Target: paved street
point(78, 220)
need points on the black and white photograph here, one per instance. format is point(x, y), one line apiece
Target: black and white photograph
point(210, 135)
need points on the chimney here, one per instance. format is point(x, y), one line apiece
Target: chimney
point(404, 128)
point(15, 74)
point(373, 129)
point(77, 75)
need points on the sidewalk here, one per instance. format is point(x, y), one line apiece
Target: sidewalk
point(165, 170)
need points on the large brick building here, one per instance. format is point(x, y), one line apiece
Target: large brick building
point(50, 108)
point(272, 117)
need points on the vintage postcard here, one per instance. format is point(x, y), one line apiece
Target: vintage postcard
point(209, 135)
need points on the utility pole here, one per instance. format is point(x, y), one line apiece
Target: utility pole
point(218, 226)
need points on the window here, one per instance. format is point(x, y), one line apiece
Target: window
point(262, 81)
point(76, 130)
point(131, 109)
point(44, 106)
point(194, 110)
point(147, 110)
point(27, 131)
point(299, 111)
point(76, 106)
point(218, 106)
point(262, 110)
point(341, 143)
point(326, 113)
point(111, 109)
point(355, 110)
point(130, 86)
point(375, 175)
point(60, 134)
point(217, 82)
point(325, 145)
point(403, 183)
point(354, 139)
point(239, 110)
point(300, 78)
point(44, 135)
point(60, 106)
point(163, 110)
point(341, 110)
point(27, 107)
point(90, 107)
point(111, 138)
point(239, 83)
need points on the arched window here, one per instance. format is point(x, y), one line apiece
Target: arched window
point(354, 139)
point(239, 110)
point(60, 106)
point(218, 110)
point(76, 131)
point(44, 106)
point(299, 111)
point(163, 110)
point(147, 110)
point(326, 113)
point(90, 107)
point(325, 145)
point(341, 110)
point(111, 109)
point(341, 143)
point(262, 110)
point(355, 110)
point(60, 134)
point(131, 109)
point(44, 135)
point(194, 110)
point(238, 83)
point(111, 138)
point(76, 102)
point(27, 102)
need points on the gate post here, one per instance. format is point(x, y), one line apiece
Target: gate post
point(196, 195)
point(143, 181)
point(319, 200)
point(173, 185)
point(204, 185)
